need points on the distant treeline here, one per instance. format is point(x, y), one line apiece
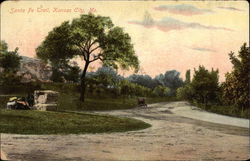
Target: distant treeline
point(105, 78)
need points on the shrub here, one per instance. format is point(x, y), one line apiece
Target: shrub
point(161, 91)
point(23, 88)
point(185, 93)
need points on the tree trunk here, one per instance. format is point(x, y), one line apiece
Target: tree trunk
point(83, 83)
point(205, 100)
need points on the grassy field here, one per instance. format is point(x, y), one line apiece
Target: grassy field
point(69, 99)
point(38, 122)
point(71, 102)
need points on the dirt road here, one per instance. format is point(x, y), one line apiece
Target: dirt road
point(173, 136)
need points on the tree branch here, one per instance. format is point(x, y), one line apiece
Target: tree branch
point(95, 49)
point(89, 44)
point(95, 41)
point(83, 51)
point(96, 57)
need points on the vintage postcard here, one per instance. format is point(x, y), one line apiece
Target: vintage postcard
point(124, 80)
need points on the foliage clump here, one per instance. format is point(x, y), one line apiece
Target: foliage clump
point(230, 97)
point(236, 88)
point(9, 65)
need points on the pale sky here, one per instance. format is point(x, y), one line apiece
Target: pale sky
point(166, 35)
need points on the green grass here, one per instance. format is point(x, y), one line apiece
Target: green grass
point(71, 102)
point(38, 122)
point(225, 110)
point(69, 98)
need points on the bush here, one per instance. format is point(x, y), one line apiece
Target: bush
point(9, 78)
point(3, 101)
point(132, 89)
point(23, 88)
point(127, 88)
point(161, 91)
point(233, 111)
point(185, 93)
point(61, 87)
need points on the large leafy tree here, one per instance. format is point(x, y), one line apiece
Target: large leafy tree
point(236, 87)
point(205, 85)
point(9, 64)
point(92, 38)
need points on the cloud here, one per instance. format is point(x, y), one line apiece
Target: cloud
point(231, 8)
point(167, 24)
point(183, 9)
point(203, 49)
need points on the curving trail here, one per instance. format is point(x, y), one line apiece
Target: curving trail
point(177, 133)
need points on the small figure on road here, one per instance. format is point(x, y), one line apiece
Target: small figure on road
point(142, 102)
